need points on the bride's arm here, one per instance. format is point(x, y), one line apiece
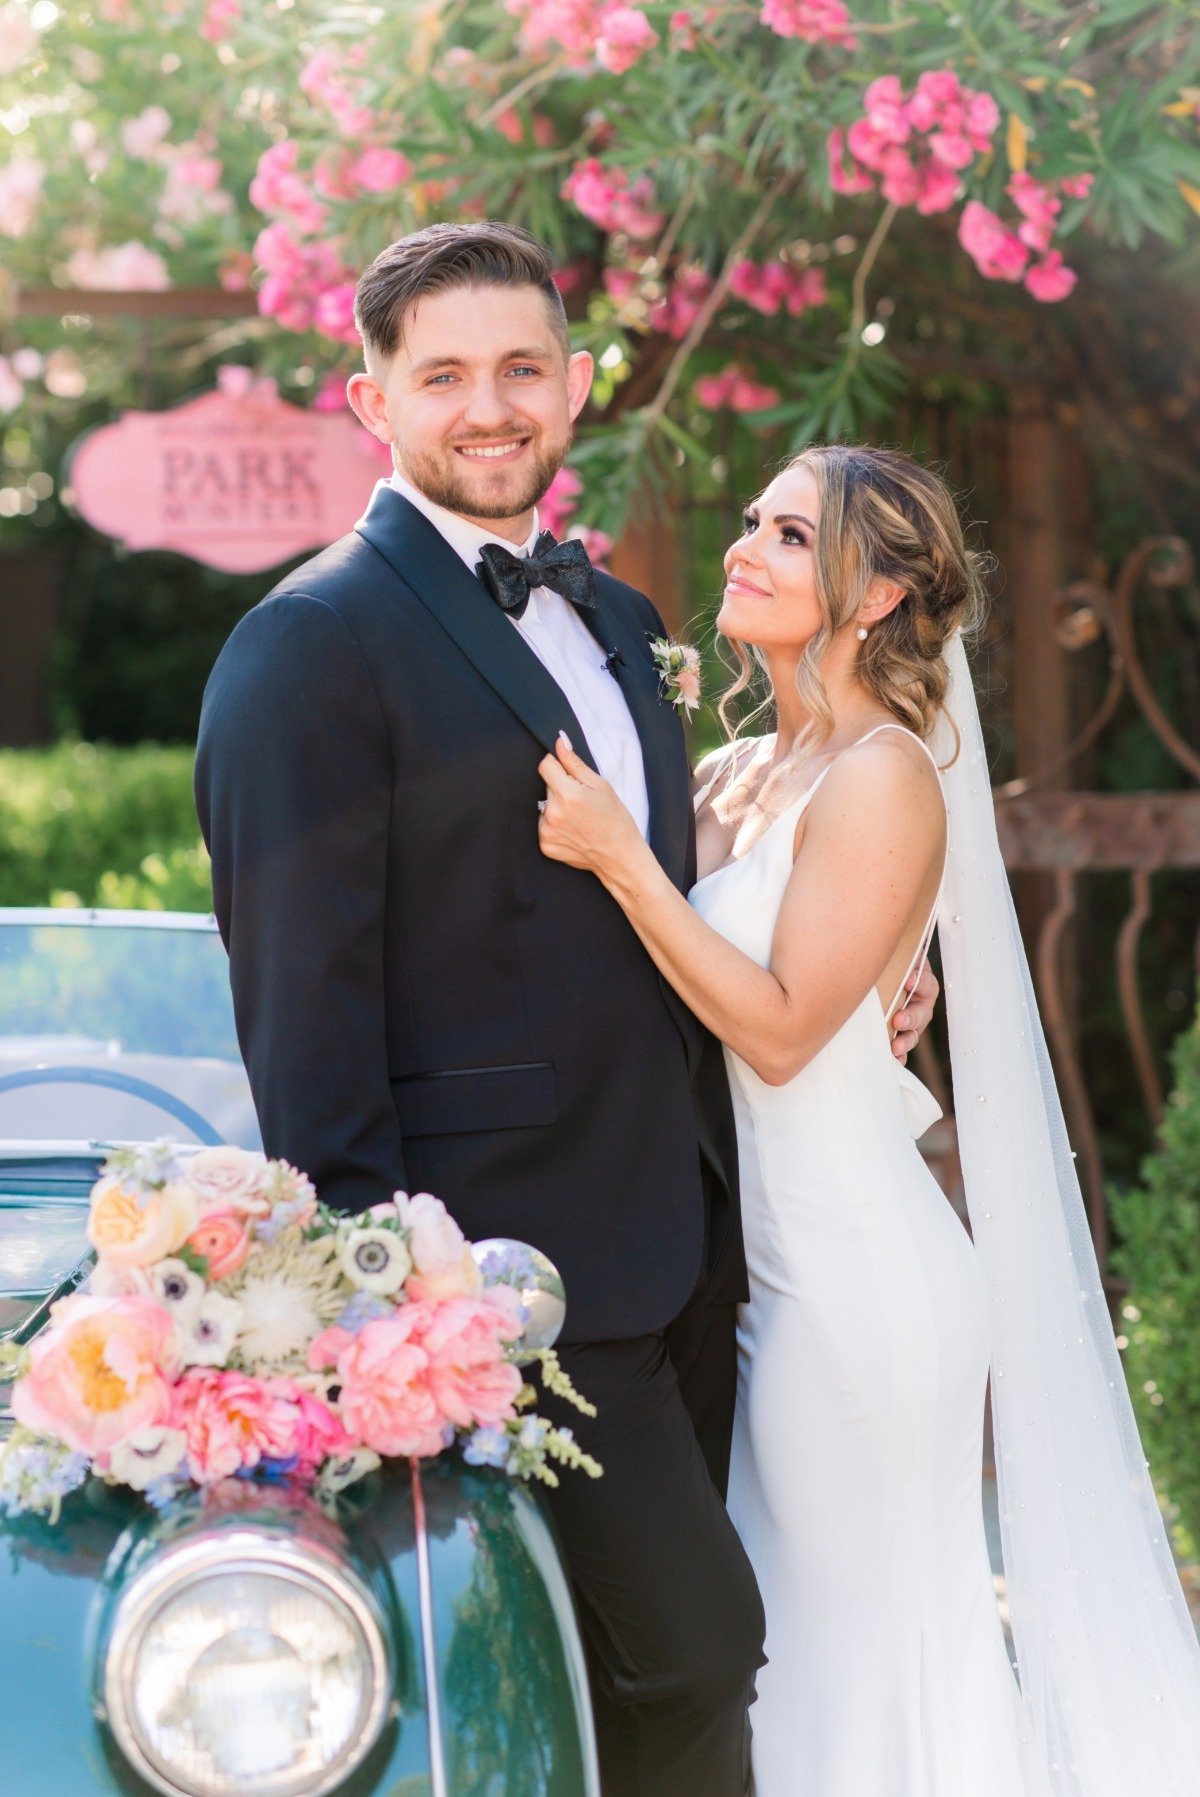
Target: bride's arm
point(872, 837)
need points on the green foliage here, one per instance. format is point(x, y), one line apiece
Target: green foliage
point(1160, 1257)
point(101, 826)
point(726, 121)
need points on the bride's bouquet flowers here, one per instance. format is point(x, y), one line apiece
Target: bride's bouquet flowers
point(235, 1326)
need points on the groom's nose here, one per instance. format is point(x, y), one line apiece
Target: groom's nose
point(486, 407)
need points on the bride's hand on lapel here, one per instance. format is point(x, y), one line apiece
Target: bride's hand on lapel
point(582, 820)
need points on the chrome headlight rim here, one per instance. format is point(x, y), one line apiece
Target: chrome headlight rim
point(256, 1551)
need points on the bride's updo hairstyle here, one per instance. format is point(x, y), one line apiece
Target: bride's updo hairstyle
point(883, 516)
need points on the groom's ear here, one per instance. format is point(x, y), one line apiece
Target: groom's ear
point(368, 404)
point(580, 369)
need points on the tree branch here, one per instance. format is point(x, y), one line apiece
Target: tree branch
point(712, 304)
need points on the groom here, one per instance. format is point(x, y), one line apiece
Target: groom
point(424, 1001)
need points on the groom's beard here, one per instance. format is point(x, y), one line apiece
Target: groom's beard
point(450, 487)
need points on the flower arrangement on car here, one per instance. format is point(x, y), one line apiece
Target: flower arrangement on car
point(233, 1325)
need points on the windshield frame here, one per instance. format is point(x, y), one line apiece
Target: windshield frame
point(64, 916)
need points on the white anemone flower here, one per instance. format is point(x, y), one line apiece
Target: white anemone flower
point(344, 1469)
point(178, 1288)
point(210, 1332)
point(374, 1260)
point(147, 1455)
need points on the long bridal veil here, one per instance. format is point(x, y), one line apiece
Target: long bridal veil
point(1107, 1659)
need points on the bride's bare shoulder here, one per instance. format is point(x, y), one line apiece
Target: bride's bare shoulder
point(890, 782)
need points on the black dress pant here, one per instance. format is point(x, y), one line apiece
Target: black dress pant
point(671, 1616)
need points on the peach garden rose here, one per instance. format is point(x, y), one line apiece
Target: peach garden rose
point(133, 1226)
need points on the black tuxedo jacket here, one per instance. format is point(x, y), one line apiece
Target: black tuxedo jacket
point(423, 1000)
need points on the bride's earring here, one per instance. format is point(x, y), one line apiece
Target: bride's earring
point(861, 633)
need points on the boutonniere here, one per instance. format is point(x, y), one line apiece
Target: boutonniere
point(678, 667)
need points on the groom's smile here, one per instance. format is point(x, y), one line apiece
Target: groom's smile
point(477, 401)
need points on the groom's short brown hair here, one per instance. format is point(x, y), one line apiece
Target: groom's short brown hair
point(441, 257)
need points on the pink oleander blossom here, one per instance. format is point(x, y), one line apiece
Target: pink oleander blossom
point(143, 136)
point(611, 200)
point(380, 170)
point(677, 312)
point(625, 36)
point(220, 17)
point(12, 390)
point(333, 313)
point(918, 144)
point(813, 21)
point(996, 251)
point(20, 190)
point(331, 394)
point(734, 388)
point(1050, 279)
point(559, 500)
point(99, 1373)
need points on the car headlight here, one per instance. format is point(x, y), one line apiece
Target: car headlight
point(244, 1663)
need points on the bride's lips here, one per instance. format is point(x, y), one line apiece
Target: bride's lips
point(737, 583)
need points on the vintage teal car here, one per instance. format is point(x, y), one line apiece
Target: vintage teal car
point(414, 1637)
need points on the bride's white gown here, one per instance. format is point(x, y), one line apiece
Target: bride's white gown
point(856, 1482)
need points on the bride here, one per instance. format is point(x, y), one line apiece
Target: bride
point(829, 851)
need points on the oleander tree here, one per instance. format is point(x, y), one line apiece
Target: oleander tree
point(759, 206)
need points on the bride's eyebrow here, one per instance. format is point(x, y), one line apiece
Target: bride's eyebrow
point(794, 518)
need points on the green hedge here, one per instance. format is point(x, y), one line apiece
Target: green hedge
point(86, 825)
point(1160, 1257)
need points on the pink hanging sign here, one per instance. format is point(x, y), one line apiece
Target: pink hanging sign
point(238, 479)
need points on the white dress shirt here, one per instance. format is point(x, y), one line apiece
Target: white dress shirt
point(568, 651)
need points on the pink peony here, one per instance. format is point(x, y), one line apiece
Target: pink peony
point(232, 1421)
point(100, 1372)
point(385, 1400)
point(471, 1381)
point(222, 1240)
point(1051, 279)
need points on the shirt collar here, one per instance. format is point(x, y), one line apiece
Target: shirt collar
point(464, 537)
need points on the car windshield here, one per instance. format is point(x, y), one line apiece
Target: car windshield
point(118, 1025)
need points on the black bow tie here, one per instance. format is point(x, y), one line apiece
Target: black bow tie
point(562, 566)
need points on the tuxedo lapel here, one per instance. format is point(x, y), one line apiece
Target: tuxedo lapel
point(664, 750)
point(427, 565)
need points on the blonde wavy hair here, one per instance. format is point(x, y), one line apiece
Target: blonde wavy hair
point(882, 516)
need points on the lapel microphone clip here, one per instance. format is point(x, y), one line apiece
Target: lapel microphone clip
point(614, 660)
